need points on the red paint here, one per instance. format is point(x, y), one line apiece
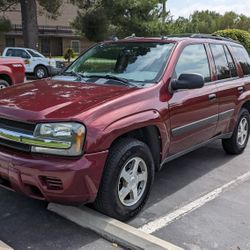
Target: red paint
point(109, 111)
point(12, 69)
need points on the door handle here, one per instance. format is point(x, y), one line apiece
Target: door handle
point(212, 97)
point(241, 90)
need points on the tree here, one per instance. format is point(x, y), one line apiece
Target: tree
point(29, 16)
point(122, 18)
point(209, 21)
point(5, 25)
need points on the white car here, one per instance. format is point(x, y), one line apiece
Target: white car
point(35, 62)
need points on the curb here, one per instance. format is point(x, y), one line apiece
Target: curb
point(111, 229)
point(3, 246)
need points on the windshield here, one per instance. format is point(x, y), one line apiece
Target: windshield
point(133, 61)
point(35, 53)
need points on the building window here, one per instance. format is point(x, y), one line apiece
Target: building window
point(9, 41)
point(45, 45)
point(75, 46)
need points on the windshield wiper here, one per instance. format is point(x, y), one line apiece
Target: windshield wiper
point(73, 73)
point(112, 77)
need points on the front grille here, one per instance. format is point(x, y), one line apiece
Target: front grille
point(16, 126)
point(15, 145)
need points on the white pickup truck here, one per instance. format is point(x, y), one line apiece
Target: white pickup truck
point(35, 62)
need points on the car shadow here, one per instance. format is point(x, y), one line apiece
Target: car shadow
point(180, 172)
point(27, 224)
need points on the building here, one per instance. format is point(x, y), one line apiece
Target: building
point(55, 36)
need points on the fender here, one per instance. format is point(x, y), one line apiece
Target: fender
point(5, 70)
point(114, 130)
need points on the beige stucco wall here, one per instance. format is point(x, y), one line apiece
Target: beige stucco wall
point(67, 14)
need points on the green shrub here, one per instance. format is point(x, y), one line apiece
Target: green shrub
point(69, 54)
point(240, 35)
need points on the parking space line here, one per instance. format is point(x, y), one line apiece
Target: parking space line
point(163, 221)
point(3, 246)
point(111, 229)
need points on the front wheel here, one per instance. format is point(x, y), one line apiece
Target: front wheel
point(4, 84)
point(127, 180)
point(41, 72)
point(238, 142)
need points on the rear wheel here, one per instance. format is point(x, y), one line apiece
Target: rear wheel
point(41, 72)
point(127, 180)
point(4, 84)
point(238, 142)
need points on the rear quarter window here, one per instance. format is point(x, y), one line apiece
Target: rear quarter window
point(243, 58)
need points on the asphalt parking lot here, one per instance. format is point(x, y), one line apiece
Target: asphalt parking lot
point(212, 185)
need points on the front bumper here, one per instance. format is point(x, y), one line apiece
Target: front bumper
point(54, 71)
point(74, 181)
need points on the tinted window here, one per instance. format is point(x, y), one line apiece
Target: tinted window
point(21, 53)
point(231, 64)
point(243, 58)
point(220, 60)
point(194, 60)
point(9, 52)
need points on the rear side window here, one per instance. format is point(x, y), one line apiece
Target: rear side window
point(9, 52)
point(193, 60)
point(220, 60)
point(243, 59)
point(231, 64)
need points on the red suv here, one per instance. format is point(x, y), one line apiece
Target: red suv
point(98, 132)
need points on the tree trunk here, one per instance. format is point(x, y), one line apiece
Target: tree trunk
point(29, 23)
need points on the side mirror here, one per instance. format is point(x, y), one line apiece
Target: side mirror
point(188, 81)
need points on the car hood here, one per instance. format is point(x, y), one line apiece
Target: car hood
point(56, 100)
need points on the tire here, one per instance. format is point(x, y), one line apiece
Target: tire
point(122, 158)
point(41, 72)
point(3, 84)
point(238, 142)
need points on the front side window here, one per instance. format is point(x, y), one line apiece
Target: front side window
point(34, 53)
point(220, 60)
point(134, 61)
point(20, 53)
point(193, 60)
point(243, 59)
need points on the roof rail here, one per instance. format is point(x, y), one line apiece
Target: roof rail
point(216, 37)
point(205, 36)
point(129, 37)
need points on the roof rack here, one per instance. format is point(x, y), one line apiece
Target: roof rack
point(205, 36)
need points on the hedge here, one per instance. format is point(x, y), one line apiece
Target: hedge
point(239, 35)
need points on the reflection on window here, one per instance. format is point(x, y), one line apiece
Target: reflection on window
point(222, 67)
point(141, 62)
point(243, 58)
point(193, 60)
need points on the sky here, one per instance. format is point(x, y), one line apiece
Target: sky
point(187, 7)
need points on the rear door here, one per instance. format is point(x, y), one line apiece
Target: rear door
point(229, 85)
point(193, 113)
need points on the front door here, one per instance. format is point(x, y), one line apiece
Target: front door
point(193, 113)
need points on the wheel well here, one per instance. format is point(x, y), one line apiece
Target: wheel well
point(246, 105)
point(150, 135)
point(6, 78)
point(41, 65)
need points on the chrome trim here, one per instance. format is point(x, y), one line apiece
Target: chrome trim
point(226, 114)
point(32, 141)
point(194, 125)
point(203, 122)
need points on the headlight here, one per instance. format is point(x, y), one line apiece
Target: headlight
point(52, 63)
point(65, 138)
